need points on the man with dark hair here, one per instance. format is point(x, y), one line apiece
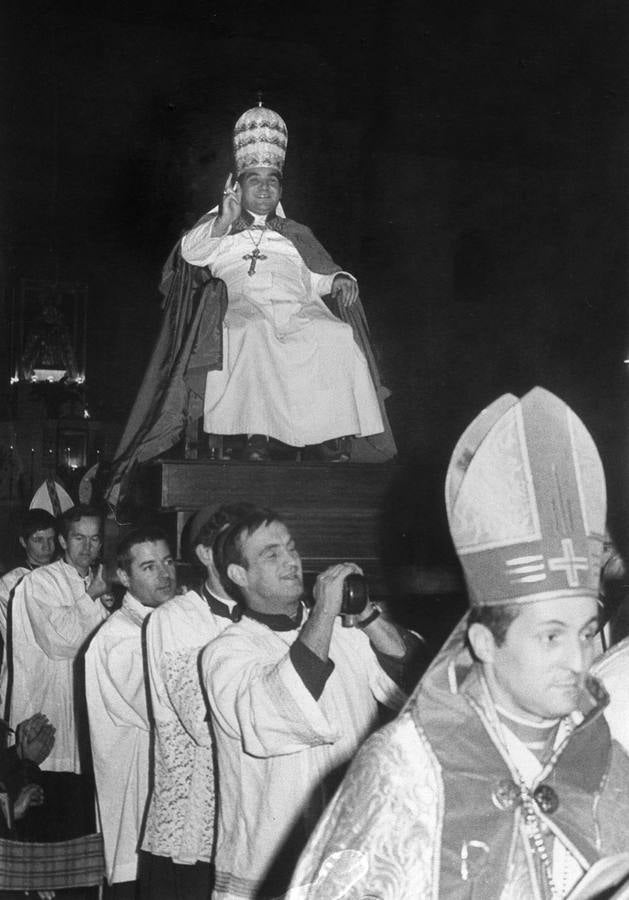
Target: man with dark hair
point(54, 610)
point(116, 699)
point(500, 779)
point(35, 538)
point(291, 369)
point(292, 694)
point(179, 835)
point(495, 618)
point(38, 539)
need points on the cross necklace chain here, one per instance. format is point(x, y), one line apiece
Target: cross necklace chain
point(255, 254)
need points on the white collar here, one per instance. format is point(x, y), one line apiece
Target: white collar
point(136, 609)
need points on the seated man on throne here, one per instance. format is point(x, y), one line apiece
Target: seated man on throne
point(291, 370)
point(262, 335)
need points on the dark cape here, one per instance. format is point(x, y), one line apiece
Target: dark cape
point(189, 345)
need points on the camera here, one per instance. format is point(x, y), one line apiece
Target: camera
point(355, 594)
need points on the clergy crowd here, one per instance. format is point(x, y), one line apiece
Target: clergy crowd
point(188, 742)
point(236, 677)
point(239, 738)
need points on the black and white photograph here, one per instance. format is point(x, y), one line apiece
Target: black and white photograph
point(314, 450)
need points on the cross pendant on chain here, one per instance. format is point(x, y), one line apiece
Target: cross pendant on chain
point(254, 257)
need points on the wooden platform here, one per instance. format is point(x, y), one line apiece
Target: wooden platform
point(333, 511)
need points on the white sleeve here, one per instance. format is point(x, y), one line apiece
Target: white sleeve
point(260, 702)
point(322, 284)
point(114, 672)
point(60, 623)
point(174, 679)
point(198, 245)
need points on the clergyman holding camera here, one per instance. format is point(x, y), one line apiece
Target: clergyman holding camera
point(292, 693)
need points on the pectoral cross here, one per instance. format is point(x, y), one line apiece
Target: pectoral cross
point(254, 256)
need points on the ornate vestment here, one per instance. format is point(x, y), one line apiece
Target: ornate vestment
point(423, 812)
point(180, 815)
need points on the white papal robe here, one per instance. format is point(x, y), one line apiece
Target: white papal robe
point(291, 369)
point(276, 744)
point(120, 734)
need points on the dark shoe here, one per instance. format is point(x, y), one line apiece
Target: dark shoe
point(338, 450)
point(256, 448)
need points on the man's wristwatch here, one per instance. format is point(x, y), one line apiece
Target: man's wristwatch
point(373, 615)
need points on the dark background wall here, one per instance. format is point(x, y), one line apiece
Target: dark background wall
point(467, 161)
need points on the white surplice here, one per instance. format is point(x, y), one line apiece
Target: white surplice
point(7, 584)
point(291, 369)
point(180, 819)
point(53, 616)
point(120, 734)
point(276, 744)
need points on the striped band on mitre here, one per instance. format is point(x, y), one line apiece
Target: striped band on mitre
point(260, 140)
point(526, 502)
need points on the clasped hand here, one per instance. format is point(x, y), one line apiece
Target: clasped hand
point(34, 738)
